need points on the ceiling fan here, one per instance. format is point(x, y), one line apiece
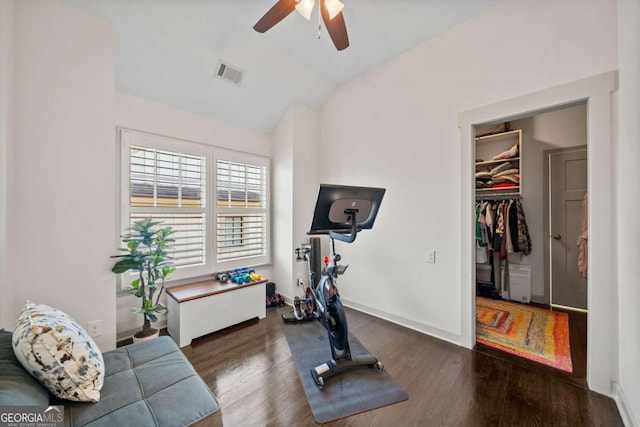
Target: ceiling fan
point(330, 10)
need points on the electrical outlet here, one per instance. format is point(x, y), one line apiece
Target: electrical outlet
point(94, 328)
point(431, 257)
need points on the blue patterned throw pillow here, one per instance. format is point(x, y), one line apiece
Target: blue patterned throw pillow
point(58, 352)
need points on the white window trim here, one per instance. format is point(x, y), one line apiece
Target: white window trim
point(212, 154)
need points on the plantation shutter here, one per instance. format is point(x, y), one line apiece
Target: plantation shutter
point(171, 186)
point(216, 201)
point(241, 209)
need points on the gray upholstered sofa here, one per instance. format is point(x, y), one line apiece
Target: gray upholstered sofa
point(150, 383)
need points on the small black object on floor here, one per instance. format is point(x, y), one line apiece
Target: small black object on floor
point(271, 289)
point(272, 298)
point(487, 290)
point(276, 300)
point(289, 317)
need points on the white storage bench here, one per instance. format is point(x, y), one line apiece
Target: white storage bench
point(201, 308)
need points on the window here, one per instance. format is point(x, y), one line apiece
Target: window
point(170, 180)
point(241, 208)
point(170, 186)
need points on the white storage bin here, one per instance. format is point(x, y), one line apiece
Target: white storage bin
point(519, 286)
point(481, 255)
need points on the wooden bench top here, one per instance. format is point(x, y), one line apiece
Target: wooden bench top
point(207, 288)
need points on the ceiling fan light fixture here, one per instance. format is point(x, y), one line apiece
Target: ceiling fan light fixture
point(334, 7)
point(329, 13)
point(304, 7)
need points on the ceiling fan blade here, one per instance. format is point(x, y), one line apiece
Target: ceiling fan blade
point(336, 28)
point(277, 13)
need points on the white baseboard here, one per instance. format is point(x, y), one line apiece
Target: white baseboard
point(398, 320)
point(623, 406)
point(407, 323)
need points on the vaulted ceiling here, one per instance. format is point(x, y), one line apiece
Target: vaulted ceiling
point(167, 51)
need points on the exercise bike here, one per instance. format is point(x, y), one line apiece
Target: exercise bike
point(341, 212)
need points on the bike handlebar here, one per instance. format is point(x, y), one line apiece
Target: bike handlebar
point(351, 237)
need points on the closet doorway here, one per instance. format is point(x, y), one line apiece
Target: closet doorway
point(597, 92)
point(553, 181)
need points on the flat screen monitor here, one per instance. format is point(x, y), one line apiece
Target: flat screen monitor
point(333, 202)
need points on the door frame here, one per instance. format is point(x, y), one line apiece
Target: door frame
point(597, 91)
point(546, 229)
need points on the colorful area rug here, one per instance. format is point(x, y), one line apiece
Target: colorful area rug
point(530, 332)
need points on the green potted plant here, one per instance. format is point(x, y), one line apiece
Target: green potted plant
point(146, 254)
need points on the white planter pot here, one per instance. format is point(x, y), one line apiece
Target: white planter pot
point(155, 335)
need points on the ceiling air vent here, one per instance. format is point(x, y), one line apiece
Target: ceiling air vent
point(229, 73)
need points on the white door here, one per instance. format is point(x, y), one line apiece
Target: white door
point(568, 185)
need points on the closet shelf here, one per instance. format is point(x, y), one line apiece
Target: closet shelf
point(499, 136)
point(492, 145)
point(494, 162)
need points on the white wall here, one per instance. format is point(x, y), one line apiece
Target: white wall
point(61, 174)
point(295, 188)
point(282, 202)
point(6, 105)
point(306, 172)
point(139, 114)
point(546, 131)
point(396, 127)
point(629, 208)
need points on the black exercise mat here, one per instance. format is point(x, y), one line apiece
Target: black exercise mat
point(347, 393)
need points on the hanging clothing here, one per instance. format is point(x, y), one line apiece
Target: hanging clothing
point(510, 225)
point(499, 228)
point(480, 221)
point(524, 240)
point(490, 221)
point(495, 272)
point(501, 225)
point(513, 220)
point(505, 230)
point(583, 247)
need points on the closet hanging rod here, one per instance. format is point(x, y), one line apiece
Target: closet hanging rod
point(497, 196)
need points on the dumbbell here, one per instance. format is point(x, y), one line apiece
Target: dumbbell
point(240, 278)
point(222, 276)
point(236, 275)
point(251, 273)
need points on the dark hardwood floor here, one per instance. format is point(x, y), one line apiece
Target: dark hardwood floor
point(250, 369)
